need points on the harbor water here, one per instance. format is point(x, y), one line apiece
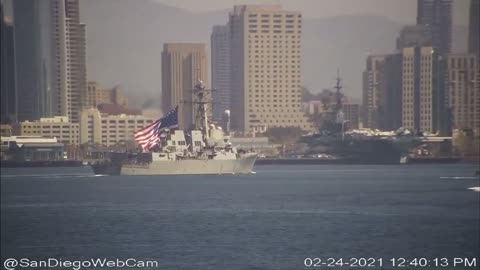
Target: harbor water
point(272, 219)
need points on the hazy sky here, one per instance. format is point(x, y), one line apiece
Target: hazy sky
point(399, 10)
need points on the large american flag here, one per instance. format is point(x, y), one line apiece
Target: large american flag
point(148, 136)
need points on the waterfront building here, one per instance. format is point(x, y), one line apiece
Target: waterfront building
point(110, 130)
point(31, 148)
point(58, 127)
point(261, 145)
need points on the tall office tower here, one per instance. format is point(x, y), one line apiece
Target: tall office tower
point(437, 16)
point(464, 90)
point(50, 58)
point(8, 99)
point(31, 32)
point(422, 97)
point(414, 35)
point(374, 86)
point(474, 27)
point(382, 92)
point(183, 66)
point(76, 74)
point(265, 68)
point(391, 118)
point(220, 54)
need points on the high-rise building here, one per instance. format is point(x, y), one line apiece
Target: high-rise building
point(352, 114)
point(220, 54)
point(422, 87)
point(8, 103)
point(474, 27)
point(183, 66)
point(382, 92)
point(392, 99)
point(374, 87)
point(97, 96)
point(50, 58)
point(76, 75)
point(414, 35)
point(265, 68)
point(464, 90)
point(437, 16)
point(31, 56)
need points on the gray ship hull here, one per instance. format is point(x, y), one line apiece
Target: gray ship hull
point(240, 165)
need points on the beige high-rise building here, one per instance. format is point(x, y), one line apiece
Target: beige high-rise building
point(464, 90)
point(183, 66)
point(265, 68)
point(420, 89)
point(97, 96)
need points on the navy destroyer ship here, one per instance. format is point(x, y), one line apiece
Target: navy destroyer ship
point(205, 149)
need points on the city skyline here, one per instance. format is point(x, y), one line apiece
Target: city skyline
point(63, 87)
point(196, 27)
point(240, 134)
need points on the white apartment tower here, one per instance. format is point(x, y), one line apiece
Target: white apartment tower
point(419, 89)
point(265, 68)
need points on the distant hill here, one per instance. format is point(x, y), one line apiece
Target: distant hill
point(125, 40)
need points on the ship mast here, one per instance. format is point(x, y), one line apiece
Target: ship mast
point(338, 94)
point(339, 106)
point(201, 117)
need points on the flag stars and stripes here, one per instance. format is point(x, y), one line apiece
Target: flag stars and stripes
point(148, 136)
